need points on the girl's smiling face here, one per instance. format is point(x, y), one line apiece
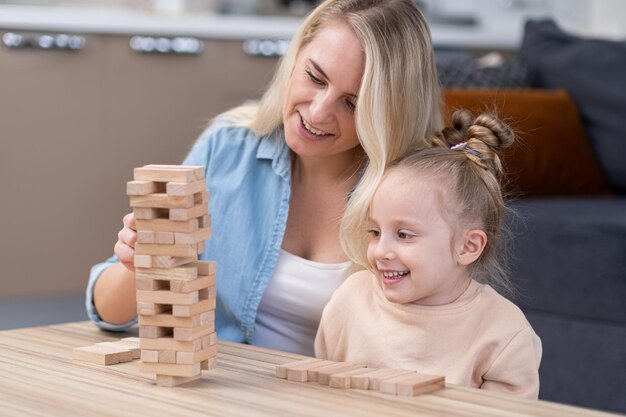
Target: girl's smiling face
point(412, 248)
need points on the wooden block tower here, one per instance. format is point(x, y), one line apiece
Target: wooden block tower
point(175, 292)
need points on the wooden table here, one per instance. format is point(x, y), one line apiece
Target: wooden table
point(39, 378)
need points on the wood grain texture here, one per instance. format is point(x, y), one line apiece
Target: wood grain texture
point(45, 381)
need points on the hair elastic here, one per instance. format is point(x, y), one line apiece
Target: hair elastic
point(463, 147)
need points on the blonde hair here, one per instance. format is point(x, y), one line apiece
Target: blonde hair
point(398, 103)
point(464, 161)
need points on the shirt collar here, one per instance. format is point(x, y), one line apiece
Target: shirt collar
point(274, 148)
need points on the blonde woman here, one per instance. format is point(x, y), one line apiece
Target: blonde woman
point(357, 89)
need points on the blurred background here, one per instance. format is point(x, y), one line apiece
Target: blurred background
point(91, 89)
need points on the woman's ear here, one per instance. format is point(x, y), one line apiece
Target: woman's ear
point(471, 246)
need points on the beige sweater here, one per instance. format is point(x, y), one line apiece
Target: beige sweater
point(480, 340)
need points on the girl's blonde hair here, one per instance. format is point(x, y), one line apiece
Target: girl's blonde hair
point(464, 161)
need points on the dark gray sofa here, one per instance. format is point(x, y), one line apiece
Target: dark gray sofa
point(568, 224)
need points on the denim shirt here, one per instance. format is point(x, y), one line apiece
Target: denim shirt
point(250, 184)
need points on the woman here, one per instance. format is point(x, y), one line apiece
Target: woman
point(357, 89)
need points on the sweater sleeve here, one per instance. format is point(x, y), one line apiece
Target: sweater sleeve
point(516, 369)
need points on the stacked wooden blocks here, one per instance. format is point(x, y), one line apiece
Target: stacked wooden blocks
point(175, 292)
point(349, 375)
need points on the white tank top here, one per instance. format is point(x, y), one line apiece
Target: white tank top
point(291, 307)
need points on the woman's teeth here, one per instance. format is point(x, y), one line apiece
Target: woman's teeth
point(312, 129)
point(394, 274)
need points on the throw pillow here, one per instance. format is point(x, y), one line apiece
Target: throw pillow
point(593, 71)
point(551, 155)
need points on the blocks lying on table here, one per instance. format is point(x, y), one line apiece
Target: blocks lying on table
point(176, 293)
point(348, 375)
point(109, 353)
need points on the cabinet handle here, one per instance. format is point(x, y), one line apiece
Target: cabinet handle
point(265, 47)
point(162, 45)
point(59, 41)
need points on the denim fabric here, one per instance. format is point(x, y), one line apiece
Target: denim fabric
point(250, 184)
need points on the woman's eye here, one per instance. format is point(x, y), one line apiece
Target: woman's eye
point(350, 105)
point(373, 233)
point(313, 77)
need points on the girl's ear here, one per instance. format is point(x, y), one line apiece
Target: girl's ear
point(471, 246)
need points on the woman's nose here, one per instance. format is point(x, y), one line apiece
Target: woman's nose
point(321, 109)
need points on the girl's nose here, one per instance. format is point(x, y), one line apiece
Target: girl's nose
point(384, 251)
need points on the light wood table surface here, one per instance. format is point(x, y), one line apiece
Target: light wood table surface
point(39, 378)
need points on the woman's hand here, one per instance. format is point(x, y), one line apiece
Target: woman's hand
point(126, 239)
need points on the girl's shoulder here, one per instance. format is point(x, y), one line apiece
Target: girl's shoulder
point(502, 309)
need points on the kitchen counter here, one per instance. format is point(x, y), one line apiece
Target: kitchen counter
point(99, 20)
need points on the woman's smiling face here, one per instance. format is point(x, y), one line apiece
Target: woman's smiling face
point(318, 113)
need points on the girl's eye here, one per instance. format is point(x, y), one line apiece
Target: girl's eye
point(373, 233)
point(313, 78)
point(404, 235)
point(350, 105)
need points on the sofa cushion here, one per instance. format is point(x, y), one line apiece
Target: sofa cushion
point(569, 256)
point(593, 72)
point(552, 156)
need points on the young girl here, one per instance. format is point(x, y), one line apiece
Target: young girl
point(427, 303)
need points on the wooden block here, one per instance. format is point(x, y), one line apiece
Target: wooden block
point(412, 384)
point(343, 379)
point(188, 213)
point(281, 370)
point(124, 352)
point(374, 378)
point(325, 372)
point(202, 197)
point(149, 355)
point(195, 357)
point(167, 225)
point(133, 344)
point(144, 187)
point(204, 221)
point(153, 332)
point(164, 238)
point(167, 173)
point(150, 309)
point(166, 250)
point(100, 355)
point(181, 273)
point(173, 369)
point(167, 356)
point(162, 200)
point(200, 247)
point(145, 213)
point(194, 237)
point(149, 261)
point(174, 381)
point(167, 297)
point(209, 364)
point(167, 343)
point(205, 267)
point(193, 285)
point(142, 261)
point(361, 380)
point(145, 284)
point(167, 320)
point(192, 333)
point(185, 188)
point(209, 340)
point(180, 310)
point(145, 236)
point(299, 373)
point(208, 293)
